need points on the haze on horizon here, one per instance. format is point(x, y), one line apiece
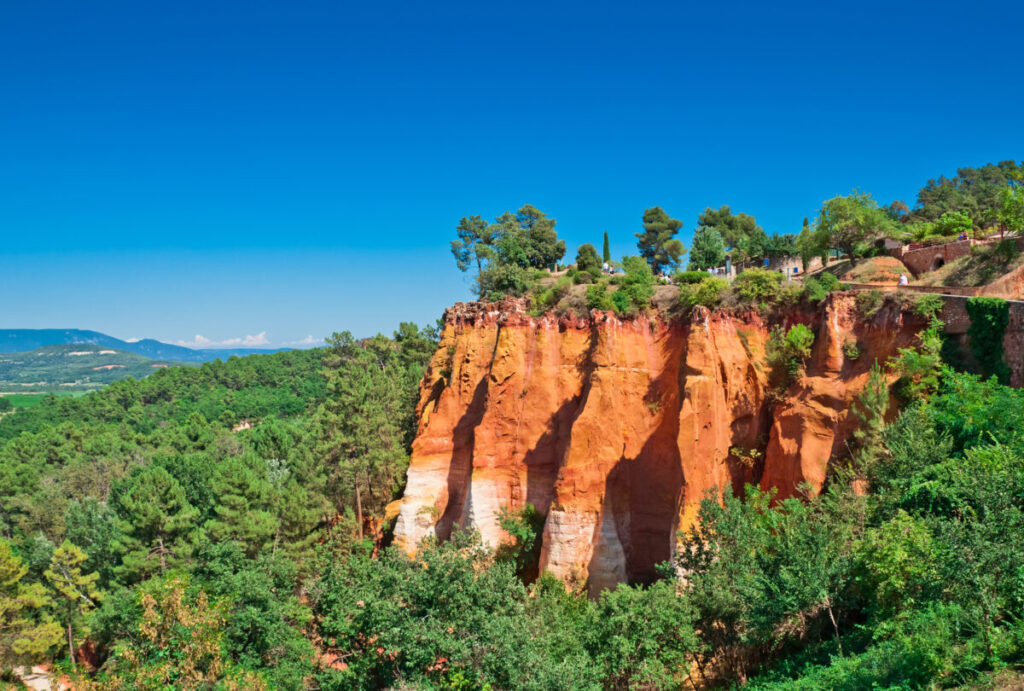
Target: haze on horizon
point(265, 175)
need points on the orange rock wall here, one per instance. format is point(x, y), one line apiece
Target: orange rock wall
point(615, 429)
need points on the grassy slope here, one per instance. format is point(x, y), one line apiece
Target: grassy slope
point(980, 267)
point(62, 368)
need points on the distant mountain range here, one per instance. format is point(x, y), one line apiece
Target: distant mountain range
point(24, 340)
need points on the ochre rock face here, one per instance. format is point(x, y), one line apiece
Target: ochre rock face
point(616, 429)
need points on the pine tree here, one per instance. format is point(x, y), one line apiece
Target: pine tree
point(157, 523)
point(658, 244)
point(244, 508)
point(78, 592)
point(870, 409)
point(26, 633)
point(362, 427)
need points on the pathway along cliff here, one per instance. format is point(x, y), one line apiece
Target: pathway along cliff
point(615, 429)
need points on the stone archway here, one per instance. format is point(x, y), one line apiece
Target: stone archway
point(938, 262)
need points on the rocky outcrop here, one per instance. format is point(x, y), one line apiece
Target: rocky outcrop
point(616, 429)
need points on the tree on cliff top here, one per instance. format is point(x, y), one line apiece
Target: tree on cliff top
point(505, 250)
point(844, 223)
point(658, 244)
point(708, 249)
point(606, 254)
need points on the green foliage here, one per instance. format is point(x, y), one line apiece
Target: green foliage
point(505, 250)
point(869, 302)
point(450, 611)
point(977, 192)
point(689, 277)
point(845, 222)
point(953, 224)
point(817, 288)
point(606, 252)
point(636, 288)
point(658, 244)
point(870, 408)
point(707, 293)
point(77, 592)
point(644, 638)
point(587, 260)
point(27, 632)
point(155, 532)
point(898, 565)
point(989, 319)
point(763, 574)
point(548, 297)
point(597, 297)
point(1010, 210)
point(786, 352)
point(741, 233)
point(708, 249)
point(523, 527)
point(919, 368)
point(171, 618)
point(5, 405)
point(759, 286)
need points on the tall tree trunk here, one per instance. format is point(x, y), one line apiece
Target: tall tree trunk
point(163, 555)
point(835, 627)
point(359, 510)
point(71, 643)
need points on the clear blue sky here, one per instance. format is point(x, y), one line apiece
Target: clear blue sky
point(233, 169)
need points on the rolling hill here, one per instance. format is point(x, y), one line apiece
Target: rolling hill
point(73, 367)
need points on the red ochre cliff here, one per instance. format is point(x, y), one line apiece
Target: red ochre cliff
point(615, 429)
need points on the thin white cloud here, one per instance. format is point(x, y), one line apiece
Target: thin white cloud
point(133, 339)
point(249, 341)
point(308, 341)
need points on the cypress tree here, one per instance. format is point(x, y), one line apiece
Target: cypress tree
point(606, 254)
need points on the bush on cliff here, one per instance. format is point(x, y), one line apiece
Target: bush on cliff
point(707, 293)
point(758, 286)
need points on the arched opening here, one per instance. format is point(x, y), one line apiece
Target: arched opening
point(938, 263)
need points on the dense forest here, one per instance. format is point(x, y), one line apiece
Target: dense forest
point(220, 527)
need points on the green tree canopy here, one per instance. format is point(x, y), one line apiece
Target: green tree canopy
point(156, 525)
point(27, 632)
point(974, 191)
point(658, 244)
point(503, 251)
point(587, 260)
point(708, 249)
point(844, 223)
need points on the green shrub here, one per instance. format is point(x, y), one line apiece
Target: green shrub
point(549, 297)
point(587, 260)
point(707, 293)
point(499, 280)
point(636, 288)
point(869, 302)
point(760, 286)
point(786, 352)
point(1006, 250)
point(989, 319)
point(817, 287)
point(850, 349)
point(928, 306)
point(597, 297)
point(689, 277)
point(583, 277)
